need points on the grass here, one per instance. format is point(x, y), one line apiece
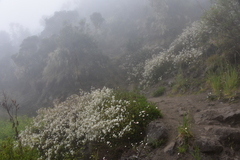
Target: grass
point(230, 81)
point(159, 92)
point(183, 148)
point(184, 134)
point(196, 153)
point(215, 83)
point(9, 151)
point(224, 82)
point(7, 130)
point(181, 84)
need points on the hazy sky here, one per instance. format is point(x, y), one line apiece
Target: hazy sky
point(28, 13)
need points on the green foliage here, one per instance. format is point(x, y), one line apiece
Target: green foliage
point(216, 83)
point(9, 150)
point(184, 134)
point(156, 143)
point(223, 22)
point(184, 129)
point(159, 92)
point(140, 112)
point(230, 81)
point(181, 84)
point(224, 82)
point(183, 148)
point(7, 130)
point(196, 153)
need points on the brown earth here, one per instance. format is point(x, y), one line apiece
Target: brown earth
point(214, 126)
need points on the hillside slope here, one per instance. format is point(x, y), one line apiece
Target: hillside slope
point(214, 127)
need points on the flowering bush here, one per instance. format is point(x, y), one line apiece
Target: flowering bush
point(133, 63)
point(184, 50)
point(104, 116)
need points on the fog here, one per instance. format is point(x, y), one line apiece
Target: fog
point(51, 49)
point(29, 13)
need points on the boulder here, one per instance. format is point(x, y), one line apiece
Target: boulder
point(208, 145)
point(229, 137)
point(156, 132)
point(227, 116)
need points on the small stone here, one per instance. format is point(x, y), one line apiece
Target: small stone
point(169, 149)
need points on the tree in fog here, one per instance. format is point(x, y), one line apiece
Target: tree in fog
point(172, 16)
point(18, 33)
point(223, 19)
point(97, 19)
point(55, 23)
point(76, 59)
point(6, 65)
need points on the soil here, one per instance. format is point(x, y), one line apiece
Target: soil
point(173, 110)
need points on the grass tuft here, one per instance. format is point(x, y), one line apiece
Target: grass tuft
point(159, 92)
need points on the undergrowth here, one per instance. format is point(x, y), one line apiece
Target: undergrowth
point(7, 130)
point(159, 92)
point(10, 151)
point(224, 81)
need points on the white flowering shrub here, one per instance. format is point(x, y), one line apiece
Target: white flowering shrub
point(186, 49)
point(103, 116)
point(133, 63)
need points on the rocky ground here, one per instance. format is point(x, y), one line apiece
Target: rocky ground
point(213, 124)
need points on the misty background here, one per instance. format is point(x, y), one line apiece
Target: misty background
point(51, 49)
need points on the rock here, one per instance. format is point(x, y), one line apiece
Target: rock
point(182, 111)
point(225, 115)
point(156, 132)
point(169, 149)
point(208, 145)
point(229, 137)
point(211, 104)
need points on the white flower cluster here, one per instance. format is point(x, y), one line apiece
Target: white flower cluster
point(79, 119)
point(185, 49)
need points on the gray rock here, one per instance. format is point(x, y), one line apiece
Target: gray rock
point(208, 145)
point(229, 137)
point(156, 132)
point(227, 115)
point(169, 149)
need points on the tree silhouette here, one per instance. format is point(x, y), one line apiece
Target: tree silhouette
point(97, 19)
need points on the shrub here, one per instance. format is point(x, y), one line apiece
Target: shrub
point(159, 92)
point(184, 50)
point(114, 118)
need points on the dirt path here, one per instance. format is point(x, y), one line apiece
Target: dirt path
point(173, 109)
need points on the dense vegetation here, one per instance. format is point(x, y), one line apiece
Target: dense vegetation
point(162, 44)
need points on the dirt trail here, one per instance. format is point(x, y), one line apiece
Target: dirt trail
point(173, 109)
